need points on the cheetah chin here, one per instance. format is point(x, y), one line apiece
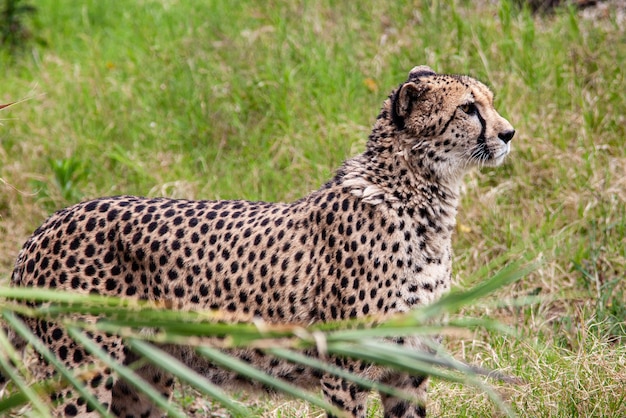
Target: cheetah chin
point(374, 240)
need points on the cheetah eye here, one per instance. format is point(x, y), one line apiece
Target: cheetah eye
point(469, 108)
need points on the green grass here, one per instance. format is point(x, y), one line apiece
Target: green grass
point(264, 100)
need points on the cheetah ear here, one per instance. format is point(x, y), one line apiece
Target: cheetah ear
point(404, 99)
point(420, 71)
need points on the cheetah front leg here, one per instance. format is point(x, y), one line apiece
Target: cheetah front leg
point(416, 386)
point(127, 401)
point(97, 378)
point(345, 395)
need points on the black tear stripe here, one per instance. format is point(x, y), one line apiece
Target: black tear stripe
point(445, 127)
point(481, 138)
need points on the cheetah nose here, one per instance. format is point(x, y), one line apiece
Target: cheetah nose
point(506, 136)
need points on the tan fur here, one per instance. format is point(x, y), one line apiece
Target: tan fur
point(376, 239)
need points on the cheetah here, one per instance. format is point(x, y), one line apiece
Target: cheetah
point(373, 241)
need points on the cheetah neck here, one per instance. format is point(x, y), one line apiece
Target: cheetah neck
point(375, 186)
point(383, 174)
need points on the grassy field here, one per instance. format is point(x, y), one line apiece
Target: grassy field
point(263, 100)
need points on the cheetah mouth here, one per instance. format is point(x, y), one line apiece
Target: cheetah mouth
point(506, 151)
point(498, 159)
point(488, 156)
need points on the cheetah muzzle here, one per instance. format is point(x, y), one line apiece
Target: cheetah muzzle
point(374, 240)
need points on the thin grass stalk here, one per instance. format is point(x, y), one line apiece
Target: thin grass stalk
point(173, 366)
point(124, 372)
point(52, 359)
point(454, 301)
point(402, 361)
point(441, 359)
point(471, 374)
point(315, 363)
point(236, 365)
point(28, 394)
point(17, 399)
point(415, 362)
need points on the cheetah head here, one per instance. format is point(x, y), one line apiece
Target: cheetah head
point(448, 123)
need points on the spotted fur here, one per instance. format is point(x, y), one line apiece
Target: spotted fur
point(375, 239)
